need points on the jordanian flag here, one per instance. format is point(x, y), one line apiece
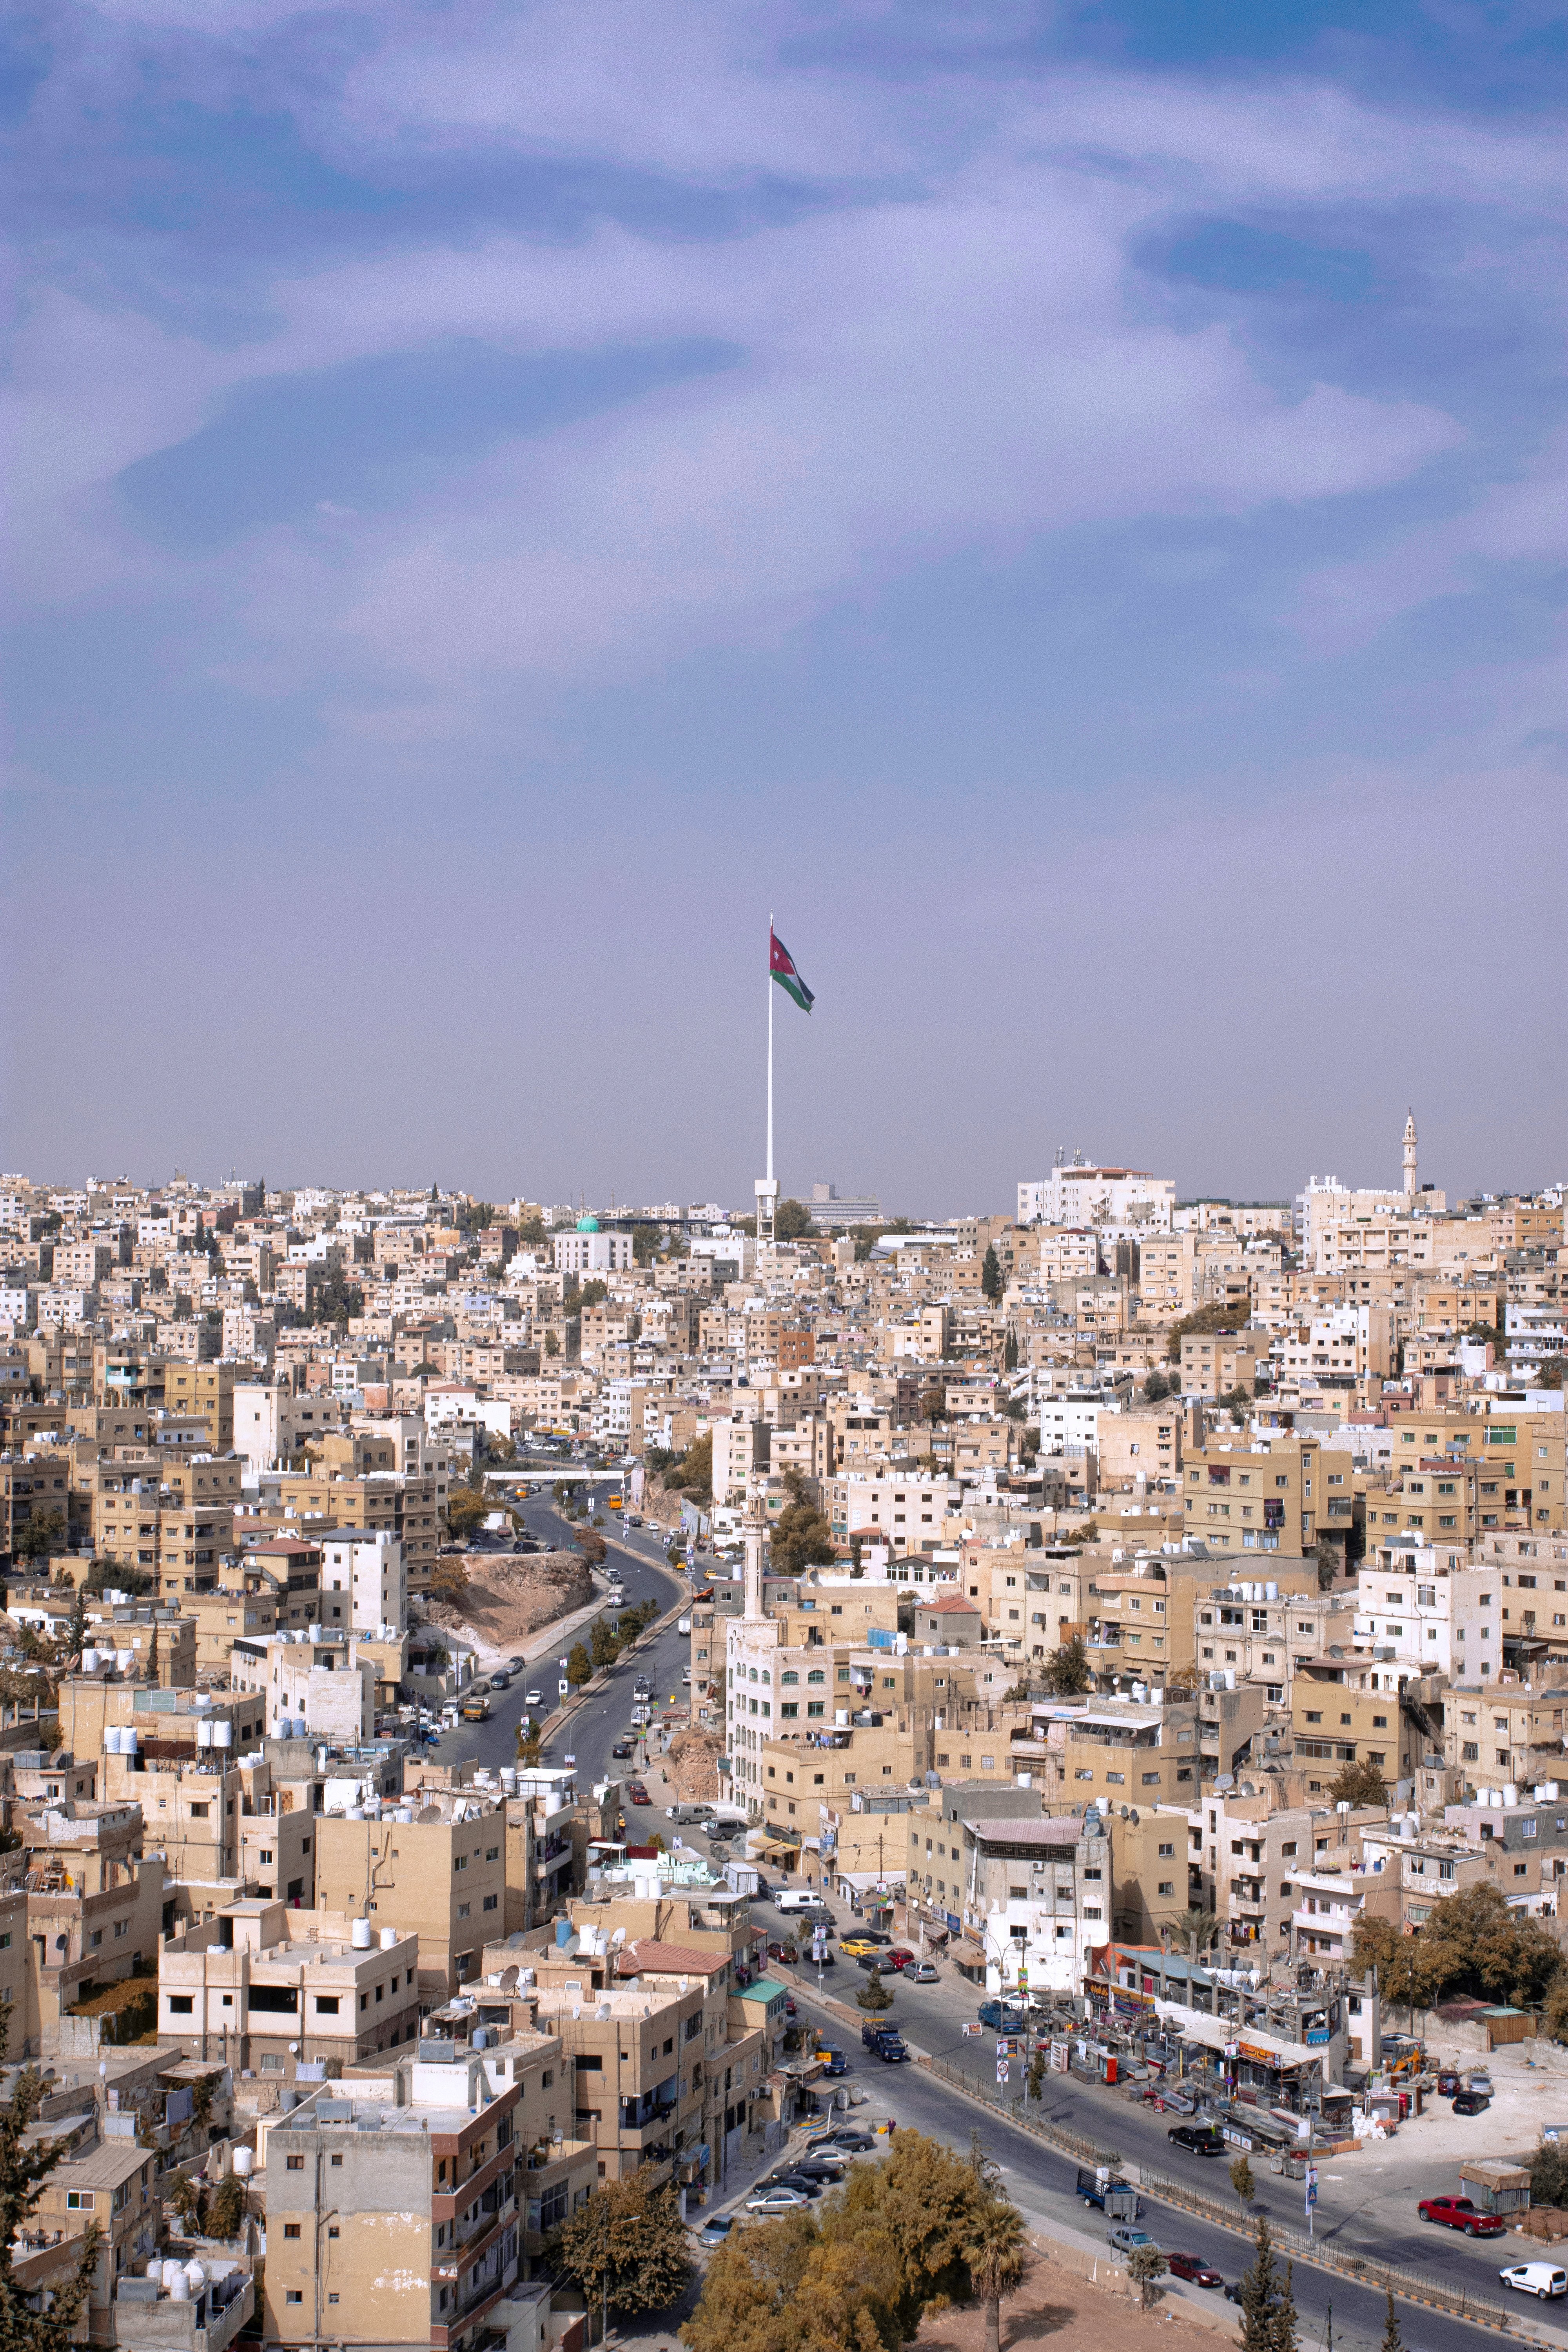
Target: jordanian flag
point(780, 963)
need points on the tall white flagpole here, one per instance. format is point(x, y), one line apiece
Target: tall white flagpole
point(770, 1047)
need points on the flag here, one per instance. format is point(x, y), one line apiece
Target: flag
point(780, 963)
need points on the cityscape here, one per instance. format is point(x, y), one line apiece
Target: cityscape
point(850, 1641)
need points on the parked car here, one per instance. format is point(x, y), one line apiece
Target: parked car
point(1447, 2083)
point(1480, 2081)
point(636, 1794)
point(854, 2143)
point(1003, 2020)
point(1535, 2278)
point(1471, 2103)
point(1233, 2295)
point(923, 1973)
point(715, 2232)
point(518, 1666)
point(1459, 2213)
point(863, 1940)
point(1192, 2267)
point(789, 2005)
point(821, 2169)
point(1128, 2240)
point(776, 2201)
point(869, 1961)
point(1198, 2139)
point(500, 1679)
point(533, 1698)
point(838, 2064)
point(785, 1952)
point(799, 2181)
point(621, 1750)
point(901, 1958)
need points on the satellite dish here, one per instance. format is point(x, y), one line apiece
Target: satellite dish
point(1225, 1780)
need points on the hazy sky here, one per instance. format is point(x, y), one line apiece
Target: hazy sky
point(1066, 506)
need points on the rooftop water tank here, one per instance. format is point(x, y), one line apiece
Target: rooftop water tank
point(362, 1936)
point(389, 1934)
point(89, 1662)
point(244, 2162)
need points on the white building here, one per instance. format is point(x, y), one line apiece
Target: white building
point(1068, 1421)
point(314, 1679)
point(271, 1424)
point(592, 1253)
point(369, 1570)
point(1076, 1195)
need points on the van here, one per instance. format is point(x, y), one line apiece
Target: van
point(797, 1898)
point(682, 1815)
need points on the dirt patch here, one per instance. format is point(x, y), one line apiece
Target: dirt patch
point(1054, 2306)
point(692, 1764)
point(509, 1597)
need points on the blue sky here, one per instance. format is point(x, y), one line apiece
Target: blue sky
point(1065, 506)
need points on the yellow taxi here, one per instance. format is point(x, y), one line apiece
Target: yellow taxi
point(861, 1947)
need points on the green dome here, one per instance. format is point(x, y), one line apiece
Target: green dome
point(587, 1224)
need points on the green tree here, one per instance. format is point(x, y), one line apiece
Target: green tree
point(1241, 2180)
point(450, 1582)
point(579, 1666)
point(602, 1644)
point(25, 2166)
point(1144, 2265)
point(996, 2257)
point(1260, 2296)
point(227, 2207)
point(991, 1281)
point(750, 2299)
point(802, 1537)
point(625, 2248)
point(1195, 1931)
point(1010, 1352)
point(592, 1294)
point(1066, 1673)
point(1155, 1386)
point(1392, 2340)
point(693, 1474)
point(1222, 1316)
point(43, 1532)
point(873, 1994)
point(466, 1510)
point(792, 1220)
point(1360, 1783)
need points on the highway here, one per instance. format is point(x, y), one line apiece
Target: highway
point(596, 1725)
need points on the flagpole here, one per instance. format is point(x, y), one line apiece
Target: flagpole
point(769, 1169)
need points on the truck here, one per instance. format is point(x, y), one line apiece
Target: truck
point(1116, 2198)
point(880, 2037)
point(476, 1708)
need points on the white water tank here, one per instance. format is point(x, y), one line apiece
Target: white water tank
point(244, 2162)
point(389, 1940)
point(1271, 1592)
point(1510, 1793)
point(130, 1740)
point(841, 1715)
point(204, 1735)
point(195, 2278)
point(171, 2270)
point(111, 1739)
point(223, 1735)
point(89, 1662)
point(124, 1660)
point(362, 1936)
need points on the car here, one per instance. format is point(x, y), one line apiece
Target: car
point(777, 2201)
point(1535, 2278)
point(855, 2143)
point(1480, 2081)
point(1194, 2268)
point(533, 1698)
point(837, 2062)
point(923, 1973)
point(621, 1750)
point(500, 1679)
point(636, 1794)
point(1129, 2240)
point(1470, 2103)
point(801, 2181)
point(1233, 2295)
point(1002, 2019)
point(715, 2232)
point(1459, 2213)
point(827, 1960)
point(790, 2010)
point(869, 1961)
point(863, 1940)
point(518, 1666)
point(785, 1952)
point(1447, 2083)
point(1198, 2139)
point(822, 2170)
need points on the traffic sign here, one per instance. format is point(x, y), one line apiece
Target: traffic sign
point(1001, 2070)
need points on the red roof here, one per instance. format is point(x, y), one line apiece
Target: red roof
point(648, 1956)
point(950, 1601)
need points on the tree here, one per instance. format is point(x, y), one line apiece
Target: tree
point(25, 2166)
point(1330, 1560)
point(1194, 1931)
point(693, 1474)
point(530, 1742)
point(873, 1994)
point(43, 1532)
point(792, 1220)
point(579, 1666)
point(1360, 1783)
point(592, 1294)
point(1260, 2299)
point(1066, 1673)
point(450, 1582)
point(1156, 1386)
point(596, 1551)
point(625, 2248)
point(1010, 1352)
point(1392, 2340)
point(465, 1510)
point(996, 2258)
point(602, 1644)
point(991, 1282)
point(1144, 2265)
point(802, 1537)
point(1241, 2180)
point(227, 2210)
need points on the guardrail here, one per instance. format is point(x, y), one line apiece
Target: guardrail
point(1289, 2244)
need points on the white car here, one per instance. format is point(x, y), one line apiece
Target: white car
point(776, 2201)
point(533, 1698)
point(1535, 2278)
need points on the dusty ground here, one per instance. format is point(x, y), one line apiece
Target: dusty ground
point(510, 1595)
point(692, 1764)
point(1081, 2314)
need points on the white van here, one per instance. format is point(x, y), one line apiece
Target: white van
point(683, 1814)
point(1536, 2278)
point(797, 1898)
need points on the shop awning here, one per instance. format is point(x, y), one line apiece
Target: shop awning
point(868, 1881)
point(1219, 2032)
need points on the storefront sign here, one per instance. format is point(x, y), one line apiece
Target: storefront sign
point(1258, 2057)
point(1317, 2035)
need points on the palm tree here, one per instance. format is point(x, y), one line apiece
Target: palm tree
point(1195, 1931)
point(996, 2256)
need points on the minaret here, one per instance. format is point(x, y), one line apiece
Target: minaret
point(756, 1531)
point(1410, 1156)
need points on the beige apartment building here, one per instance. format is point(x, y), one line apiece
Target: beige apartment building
point(1216, 1363)
point(263, 1982)
point(632, 2054)
point(1343, 1712)
point(1121, 1753)
point(1268, 1493)
point(205, 1388)
point(438, 1874)
point(93, 1907)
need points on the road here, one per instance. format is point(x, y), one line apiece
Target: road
point(599, 1723)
